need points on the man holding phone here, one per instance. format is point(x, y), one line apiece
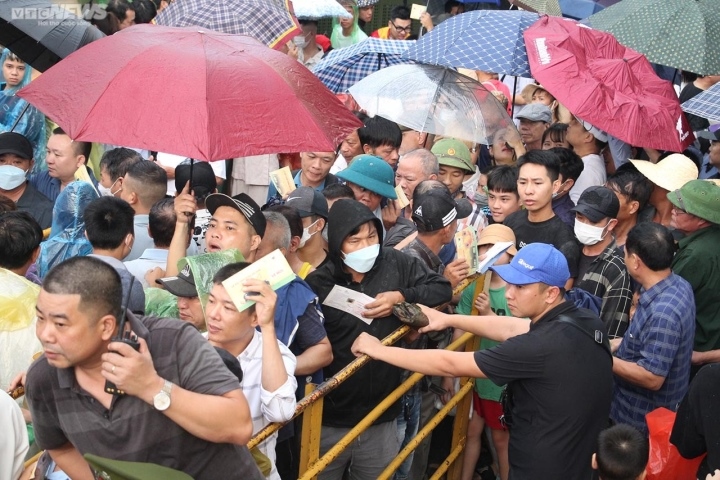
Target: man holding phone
point(182, 407)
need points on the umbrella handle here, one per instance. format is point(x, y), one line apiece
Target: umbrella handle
point(27, 105)
point(512, 107)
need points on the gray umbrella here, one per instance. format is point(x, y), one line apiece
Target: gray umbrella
point(41, 33)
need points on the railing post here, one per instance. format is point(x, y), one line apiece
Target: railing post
point(311, 430)
point(460, 424)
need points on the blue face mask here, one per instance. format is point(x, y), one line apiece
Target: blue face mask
point(11, 177)
point(362, 260)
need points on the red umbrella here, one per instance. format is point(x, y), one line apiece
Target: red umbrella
point(191, 92)
point(604, 83)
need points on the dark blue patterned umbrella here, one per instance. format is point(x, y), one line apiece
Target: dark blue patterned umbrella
point(489, 40)
point(269, 21)
point(705, 104)
point(343, 68)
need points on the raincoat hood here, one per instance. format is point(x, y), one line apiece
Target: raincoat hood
point(345, 216)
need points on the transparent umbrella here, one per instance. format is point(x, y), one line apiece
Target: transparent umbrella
point(433, 99)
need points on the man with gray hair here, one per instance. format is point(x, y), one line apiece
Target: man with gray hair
point(414, 167)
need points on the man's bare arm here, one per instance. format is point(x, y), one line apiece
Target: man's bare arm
point(219, 419)
point(314, 358)
point(491, 326)
point(429, 362)
point(71, 461)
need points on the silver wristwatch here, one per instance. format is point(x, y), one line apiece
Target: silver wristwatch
point(161, 401)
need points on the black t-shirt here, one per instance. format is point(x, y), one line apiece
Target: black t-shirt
point(561, 386)
point(697, 427)
point(554, 232)
point(584, 264)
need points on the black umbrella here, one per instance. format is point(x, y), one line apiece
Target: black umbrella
point(41, 33)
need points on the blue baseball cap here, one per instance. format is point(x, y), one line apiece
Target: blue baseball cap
point(536, 263)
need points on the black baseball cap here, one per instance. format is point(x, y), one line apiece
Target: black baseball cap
point(181, 286)
point(436, 209)
point(308, 201)
point(203, 181)
point(243, 204)
point(597, 203)
point(13, 142)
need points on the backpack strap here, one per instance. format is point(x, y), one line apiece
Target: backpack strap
point(598, 336)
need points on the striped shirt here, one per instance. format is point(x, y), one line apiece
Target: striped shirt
point(608, 279)
point(659, 339)
point(267, 407)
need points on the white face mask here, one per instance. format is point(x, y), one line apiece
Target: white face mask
point(362, 260)
point(588, 234)
point(306, 235)
point(300, 41)
point(104, 191)
point(11, 177)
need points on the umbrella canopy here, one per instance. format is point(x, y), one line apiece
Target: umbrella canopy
point(432, 99)
point(313, 9)
point(344, 67)
point(604, 83)
point(366, 3)
point(488, 40)
point(705, 104)
point(270, 21)
point(42, 33)
point(579, 9)
point(190, 92)
point(678, 33)
point(548, 7)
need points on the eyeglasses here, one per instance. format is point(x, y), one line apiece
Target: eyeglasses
point(681, 208)
point(401, 29)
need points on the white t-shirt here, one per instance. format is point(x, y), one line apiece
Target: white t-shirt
point(169, 160)
point(593, 174)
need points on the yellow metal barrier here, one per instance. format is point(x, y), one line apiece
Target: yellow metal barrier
point(311, 463)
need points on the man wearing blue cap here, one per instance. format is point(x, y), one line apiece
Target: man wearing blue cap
point(559, 382)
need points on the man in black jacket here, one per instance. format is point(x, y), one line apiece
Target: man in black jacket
point(358, 262)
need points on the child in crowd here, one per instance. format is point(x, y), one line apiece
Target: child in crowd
point(481, 299)
point(622, 454)
point(503, 198)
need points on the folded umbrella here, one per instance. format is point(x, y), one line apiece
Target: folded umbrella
point(270, 21)
point(488, 40)
point(191, 92)
point(705, 104)
point(42, 33)
point(344, 67)
point(681, 34)
point(604, 83)
point(432, 99)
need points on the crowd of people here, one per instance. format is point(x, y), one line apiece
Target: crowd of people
point(599, 307)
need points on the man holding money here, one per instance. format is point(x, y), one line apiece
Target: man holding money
point(314, 172)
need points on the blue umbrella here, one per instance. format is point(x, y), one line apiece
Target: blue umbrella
point(488, 40)
point(705, 104)
point(343, 68)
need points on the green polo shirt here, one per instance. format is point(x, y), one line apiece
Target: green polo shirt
point(698, 262)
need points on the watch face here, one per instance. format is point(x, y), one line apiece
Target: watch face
point(161, 401)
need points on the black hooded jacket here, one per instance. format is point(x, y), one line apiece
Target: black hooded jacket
point(392, 271)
